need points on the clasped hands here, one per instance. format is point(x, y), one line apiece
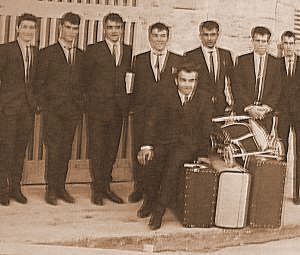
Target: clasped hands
point(145, 155)
point(258, 111)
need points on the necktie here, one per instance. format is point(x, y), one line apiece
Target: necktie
point(186, 99)
point(258, 82)
point(114, 53)
point(211, 66)
point(69, 56)
point(290, 71)
point(27, 61)
point(157, 67)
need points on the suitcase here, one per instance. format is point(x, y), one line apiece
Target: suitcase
point(232, 198)
point(196, 195)
point(267, 190)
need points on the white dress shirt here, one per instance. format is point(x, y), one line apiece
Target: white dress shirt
point(66, 49)
point(23, 46)
point(153, 58)
point(110, 45)
point(183, 96)
point(256, 63)
point(287, 60)
point(206, 52)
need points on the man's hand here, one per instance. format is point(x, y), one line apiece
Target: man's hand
point(144, 155)
point(258, 111)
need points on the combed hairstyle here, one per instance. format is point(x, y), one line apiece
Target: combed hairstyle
point(186, 66)
point(160, 27)
point(71, 17)
point(288, 34)
point(113, 17)
point(209, 25)
point(26, 16)
point(260, 30)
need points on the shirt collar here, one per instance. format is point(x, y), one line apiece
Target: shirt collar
point(161, 53)
point(22, 43)
point(208, 50)
point(111, 44)
point(182, 96)
point(287, 59)
point(258, 56)
point(63, 44)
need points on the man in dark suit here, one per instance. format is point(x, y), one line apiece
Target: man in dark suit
point(17, 105)
point(176, 131)
point(106, 65)
point(257, 80)
point(152, 69)
point(288, 106)
point(60, 89)
point(216, 63)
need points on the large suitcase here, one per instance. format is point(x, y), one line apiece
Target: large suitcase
point(196, 195)
point(267, 188)
point(232, 198)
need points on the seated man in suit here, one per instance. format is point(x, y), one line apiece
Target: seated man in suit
point(257, 80)
point(17, 105)
point(177, 130)
point(153, 69)
point(216, 63)
point(60, 89)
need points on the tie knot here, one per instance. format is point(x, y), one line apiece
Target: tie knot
point(186, 98)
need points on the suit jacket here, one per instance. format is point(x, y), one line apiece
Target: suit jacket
point(145, 85)
point(15, 95)
point(58, 84)
point(106, 89)
point(225, 68)
point(243, 86)
point(168, 122)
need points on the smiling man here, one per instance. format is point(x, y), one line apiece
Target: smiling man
point(60, 89)
point(216, 63)
point(105, 69)
point(153, 70)
point(17, 105)
point(257, 80)
point(177, 129)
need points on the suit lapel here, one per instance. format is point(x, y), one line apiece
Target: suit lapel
point(20, 57)
point(202, 59)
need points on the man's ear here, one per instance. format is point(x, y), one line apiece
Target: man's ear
point(176, 81)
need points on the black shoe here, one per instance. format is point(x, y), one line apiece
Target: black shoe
point(135, 196)
point(51, 197)
point(296, 200)
point(97, 199)
point(18, 196)
point(146, 209)
point(4, 200)
point(65, 196)
point(156, 219)
point(112, 196)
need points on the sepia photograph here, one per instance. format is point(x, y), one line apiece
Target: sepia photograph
point(143, 127)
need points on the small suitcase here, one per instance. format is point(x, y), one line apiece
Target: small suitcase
point(196, 195)
point(232, 198)
point(267, 190)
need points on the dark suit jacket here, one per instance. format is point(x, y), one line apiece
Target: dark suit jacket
point(225, 68)
point(106, 89)
point(59, 85)
point(14, 93)
point(168, 122)
point(243, 86)
point(145, 84)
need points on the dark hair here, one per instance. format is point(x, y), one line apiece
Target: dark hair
point(186, 66)
point(288, 34)
point(209, 25)
point(71, 17)
point(260, 31)
point(26, 16)
point(160, 27)
point(113, 17)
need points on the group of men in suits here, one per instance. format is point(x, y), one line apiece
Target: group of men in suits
point(174, 98)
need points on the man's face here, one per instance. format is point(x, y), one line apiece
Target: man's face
point(26, 30)
point(113, 30)
point(260, 43)
point(69, 32)
point(209, 37)
point(288, 45)
point(186, 82)
point(158, 39)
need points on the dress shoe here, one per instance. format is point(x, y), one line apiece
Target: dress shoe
point(97, 199)
point(156, 219)
point(4, 200)
point(135, 196)
point(112, 196)
point(18, 196)
point(65, 196)
point(146, 209)
point(296, 200)
point(51, 198)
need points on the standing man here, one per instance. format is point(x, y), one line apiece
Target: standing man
point(289, 102)
point(257, 80)
point(106, 65)
point(216, 63)
point(17, 105)
point(153, 69)
point(177, 130)
point(60, 89)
